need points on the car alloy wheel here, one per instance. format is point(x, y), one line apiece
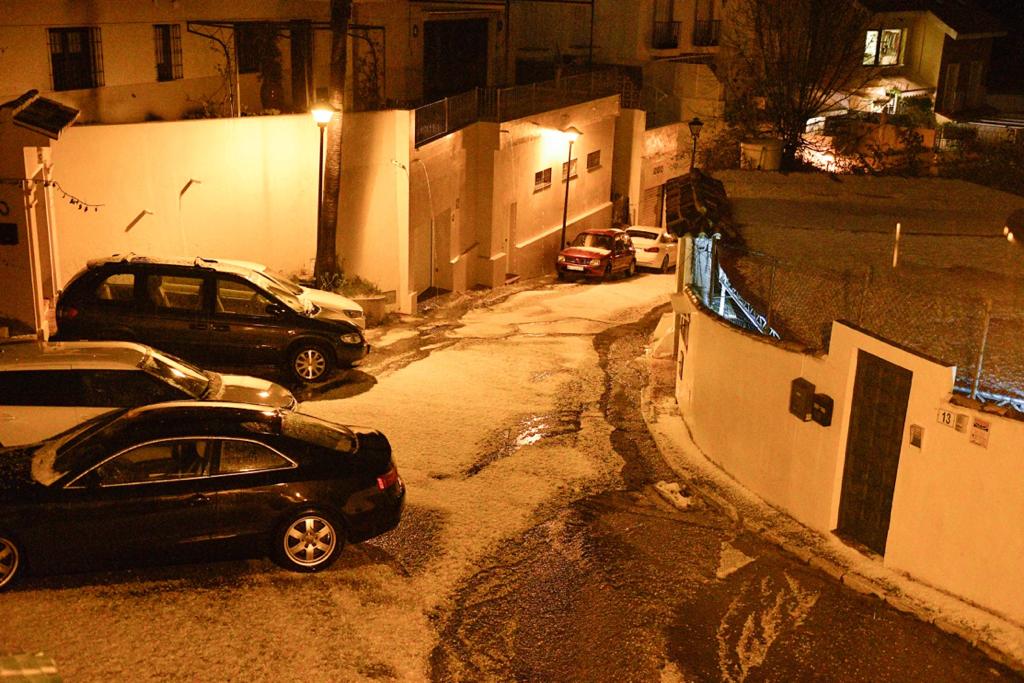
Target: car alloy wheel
point(608, 272)
point(632, 269)
point(308, 543)
point(10, 561)
point(309, 363)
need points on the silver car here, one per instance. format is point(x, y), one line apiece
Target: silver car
point(46, 388)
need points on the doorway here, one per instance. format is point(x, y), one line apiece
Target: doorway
point(881, 391)
point(454, 57)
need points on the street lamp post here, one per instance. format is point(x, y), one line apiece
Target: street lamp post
point(322, 114)
point(571, 134)
point(695, 125)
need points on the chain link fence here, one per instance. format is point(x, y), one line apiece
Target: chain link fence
point(800, 301)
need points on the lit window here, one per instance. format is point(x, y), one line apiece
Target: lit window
point(542, 180)
point(167, 39)
point(76, 58)
point(883, 47)
point(594, 160)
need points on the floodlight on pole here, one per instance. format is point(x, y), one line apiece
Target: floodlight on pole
point(571, 134)
point(695, 125)
point(322, 114)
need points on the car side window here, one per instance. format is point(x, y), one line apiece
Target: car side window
point(126, 388)
point(240, 298)
point(158, 461)
point(237, 456)
point(57, 388)
point(116, 290)
point(174, 292)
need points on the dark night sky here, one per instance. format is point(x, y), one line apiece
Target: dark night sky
point(1007, 73)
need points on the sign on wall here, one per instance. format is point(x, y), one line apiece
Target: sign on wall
point(979, 432)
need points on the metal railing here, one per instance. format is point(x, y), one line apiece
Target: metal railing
point(666, 35)
point(706, 32)
point(440, 118)
point(799, 302)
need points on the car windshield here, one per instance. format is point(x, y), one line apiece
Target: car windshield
point(283, 295)
point(589, 239)
point(643, 234)
point(178, 373)
point(284, 282)
point(317, 431)
point(56, 456)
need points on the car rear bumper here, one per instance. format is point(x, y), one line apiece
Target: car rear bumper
point(383, 517)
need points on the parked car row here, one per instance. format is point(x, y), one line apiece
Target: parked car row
point(116, 449)
point(603, 253)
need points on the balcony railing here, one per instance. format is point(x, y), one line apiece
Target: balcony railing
point(666, 35)
point(706, 32)
point(438, 119)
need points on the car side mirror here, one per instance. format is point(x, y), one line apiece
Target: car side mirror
point(90, 480)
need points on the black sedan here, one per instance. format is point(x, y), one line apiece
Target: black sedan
point(178, 477)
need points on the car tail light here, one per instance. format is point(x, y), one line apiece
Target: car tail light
point(651, 249)
point(68, 313)
point(388, 479)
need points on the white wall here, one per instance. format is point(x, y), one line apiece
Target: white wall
point(255, 198)
point(957, 518)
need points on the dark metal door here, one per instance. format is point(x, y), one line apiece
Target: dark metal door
point(880, 394)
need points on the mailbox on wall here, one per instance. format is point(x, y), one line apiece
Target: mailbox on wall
point(822, 409)
point(801, 398)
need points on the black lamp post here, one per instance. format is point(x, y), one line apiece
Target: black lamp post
point(322, 114)
point(695, 125)
point(571, 134)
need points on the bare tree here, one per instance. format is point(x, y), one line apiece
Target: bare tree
point(787, 61)
point(327, 232)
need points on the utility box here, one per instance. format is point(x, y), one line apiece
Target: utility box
point(821, 409)
point(801, 398)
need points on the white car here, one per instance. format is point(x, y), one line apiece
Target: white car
point(47, 388)
point(655, 248)
point(326, 304)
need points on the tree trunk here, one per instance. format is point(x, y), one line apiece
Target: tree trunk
point(326, 234)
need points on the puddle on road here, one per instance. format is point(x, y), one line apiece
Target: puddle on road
point(527, 432)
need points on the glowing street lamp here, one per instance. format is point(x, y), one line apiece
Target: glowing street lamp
point(571, 134)
point(695, 125)
point(322, 114)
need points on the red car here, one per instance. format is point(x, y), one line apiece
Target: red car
point(598, 254)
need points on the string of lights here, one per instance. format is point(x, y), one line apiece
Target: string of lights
point(71, 199)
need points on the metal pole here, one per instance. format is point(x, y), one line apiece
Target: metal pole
point(320, 183)
point(981, 351)
point(565, 206)
point(693, 154)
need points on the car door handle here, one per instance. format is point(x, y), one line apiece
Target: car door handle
point(221, 327)
point(200, 499)
point(197, 326)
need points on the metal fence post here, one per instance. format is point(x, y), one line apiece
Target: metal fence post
point(771, 295)
point(981, 351)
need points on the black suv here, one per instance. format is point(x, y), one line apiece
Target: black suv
point(205, 311)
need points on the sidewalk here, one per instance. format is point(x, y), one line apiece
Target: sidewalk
point(999, 638)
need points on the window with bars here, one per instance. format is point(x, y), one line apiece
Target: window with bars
point(167, 39)
point(542, 180)
point(76, 58)
point(247, 47)
point(594, 160)
point(568, 170)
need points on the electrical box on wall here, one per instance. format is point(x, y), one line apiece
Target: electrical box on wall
point(821, 409)
point(801, 398)
point(8, 233)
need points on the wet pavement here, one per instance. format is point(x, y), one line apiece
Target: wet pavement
point(620, 585)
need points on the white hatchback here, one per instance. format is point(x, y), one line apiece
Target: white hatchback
point(655, 248)
point(47, 388)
